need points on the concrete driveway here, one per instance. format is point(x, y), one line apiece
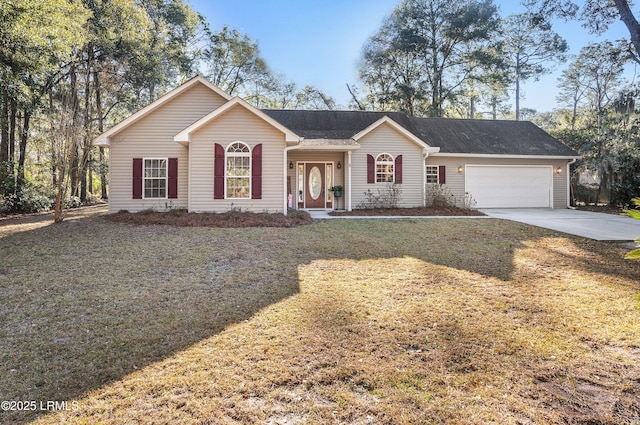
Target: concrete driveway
point(598, 226)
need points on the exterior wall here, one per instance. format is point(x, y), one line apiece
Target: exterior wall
point(236, 125)
point(385, 139)
point(455, 180)
point(317, 156)
point(152, 137)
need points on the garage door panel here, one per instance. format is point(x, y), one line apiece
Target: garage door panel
point(517, 186)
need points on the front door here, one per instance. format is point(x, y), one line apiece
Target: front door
point(315, 190)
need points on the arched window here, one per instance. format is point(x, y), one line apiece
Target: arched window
point(384, 168)
point(238, 171)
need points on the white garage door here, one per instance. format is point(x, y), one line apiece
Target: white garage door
point(509, 186)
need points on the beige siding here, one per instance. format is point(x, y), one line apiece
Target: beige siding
point(152, 137)
point(385, 139)
point(237, 124)
point(455, 180)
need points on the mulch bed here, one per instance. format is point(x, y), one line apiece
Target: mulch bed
point(600, 208)
point(182, 218)
point(420, 211)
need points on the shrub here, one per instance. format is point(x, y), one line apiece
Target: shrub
point(72, 202)
point(440, 196)
point(28, 201)
point(389, 197)
point(587, 194)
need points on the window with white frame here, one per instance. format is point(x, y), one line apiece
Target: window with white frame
point(155, 178)
point(238, 171)
point(384, 168)
point(432, 174)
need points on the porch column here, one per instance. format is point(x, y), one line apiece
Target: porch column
point(348, 192)
point(425, 155)
point(284, 177)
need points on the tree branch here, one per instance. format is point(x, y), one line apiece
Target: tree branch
point(355, 99)
point(626, 16)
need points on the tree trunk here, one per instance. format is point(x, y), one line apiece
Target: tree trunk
point(518, 88)
point(472, 107)
point(11, 172)
point(24, 137)
point(626, 16)
point(354, 98)
point(4, 138)
point(86, 148)
point(73, 107)
point(103, 174)
point(54, 159)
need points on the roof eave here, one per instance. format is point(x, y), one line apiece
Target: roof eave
point(330, 148)
point(103, 142)
point(505, 156)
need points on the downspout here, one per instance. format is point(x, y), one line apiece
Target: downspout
point(284, 176)
point(569, 183)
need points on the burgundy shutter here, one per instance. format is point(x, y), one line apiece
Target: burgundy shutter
point(256, 172)
point(172, 190)
point(218, 172)
point(371, 169)
point(137, 178)
point(398, 169)
point(442, 175)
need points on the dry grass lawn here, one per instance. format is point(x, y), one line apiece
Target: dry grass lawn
point(413, 321)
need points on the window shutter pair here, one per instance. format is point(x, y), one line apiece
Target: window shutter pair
point(219, 168)
point(172, 178)
point(371, 169)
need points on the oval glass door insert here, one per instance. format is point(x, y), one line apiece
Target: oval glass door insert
point(315, 183)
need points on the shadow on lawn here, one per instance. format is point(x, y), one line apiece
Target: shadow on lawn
point(88, 302)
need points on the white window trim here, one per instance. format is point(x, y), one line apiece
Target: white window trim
point(145, 178)
point(393, 164)
point(228, 154)
point(437, 174)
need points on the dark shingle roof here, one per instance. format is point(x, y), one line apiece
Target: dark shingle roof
point(324, 124)
point(450, 135)
point(489, 137)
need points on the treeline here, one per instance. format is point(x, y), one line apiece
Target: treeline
point(599, 119)
point(462, 59)
point(69, 69)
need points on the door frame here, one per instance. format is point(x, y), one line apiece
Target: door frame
point(301, 183)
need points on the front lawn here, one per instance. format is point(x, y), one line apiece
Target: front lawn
point(413, 321)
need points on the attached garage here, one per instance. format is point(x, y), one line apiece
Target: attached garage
point(510, 186)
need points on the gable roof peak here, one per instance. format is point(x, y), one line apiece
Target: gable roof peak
point(184, 136)
point(103, 139)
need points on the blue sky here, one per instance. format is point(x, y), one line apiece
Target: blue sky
point(318, 42)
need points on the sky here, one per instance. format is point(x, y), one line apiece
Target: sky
point(318, 42)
